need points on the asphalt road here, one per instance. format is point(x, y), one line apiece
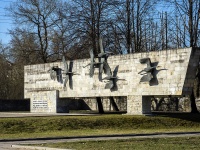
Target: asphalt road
point(18, 144)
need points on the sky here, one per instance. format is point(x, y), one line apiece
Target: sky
point(5, 21)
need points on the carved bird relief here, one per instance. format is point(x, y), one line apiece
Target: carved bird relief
point(111, 77)
point(92, 63)
point(103, 56)
point(68, 73)
point(102, 59)
point(55, 73)
point(148, 71)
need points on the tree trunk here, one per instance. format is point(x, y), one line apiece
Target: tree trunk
point(191, 23)
point(128, 36)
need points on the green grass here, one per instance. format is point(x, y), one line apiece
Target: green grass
point(32, 127)
point(181, 143)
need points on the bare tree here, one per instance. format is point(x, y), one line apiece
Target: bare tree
point(189, 15)
point(65, 34)
point(92, 17)
point(191, 10)
point(9, 76)
point(131, 21)
point(24, 47)
point(38, 16)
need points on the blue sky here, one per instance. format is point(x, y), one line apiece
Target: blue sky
point(5, 21)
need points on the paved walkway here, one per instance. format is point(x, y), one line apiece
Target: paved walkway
point(16, 114)
point(16, 144)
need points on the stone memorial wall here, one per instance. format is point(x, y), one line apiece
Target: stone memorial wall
point(173, 75)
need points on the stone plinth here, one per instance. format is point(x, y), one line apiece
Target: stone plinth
point(138, 105)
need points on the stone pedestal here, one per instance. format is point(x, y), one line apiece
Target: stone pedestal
point(48, 102)
point(138, 105)
point(44, 102)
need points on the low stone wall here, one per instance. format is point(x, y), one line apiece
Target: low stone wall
point(15, 105)
point(120, 101)
point(167, 104)
point(67, 104)
point(171, 104)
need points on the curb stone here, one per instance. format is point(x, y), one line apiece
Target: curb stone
point(35, 148)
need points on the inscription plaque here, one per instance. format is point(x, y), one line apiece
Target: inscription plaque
point(38, 104)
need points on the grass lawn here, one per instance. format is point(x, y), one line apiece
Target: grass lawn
point(58, 126)
point(181, 143)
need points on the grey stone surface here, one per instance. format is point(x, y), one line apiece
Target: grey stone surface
point(44, 101)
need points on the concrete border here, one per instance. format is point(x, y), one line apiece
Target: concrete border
point(35, 148)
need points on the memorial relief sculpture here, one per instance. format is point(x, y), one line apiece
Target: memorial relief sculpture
point(102, 56)
point(52, 72)
point(68, 73)
point(112, 78)
point(161, 73)
point(148, 71)
point(102, 60)
point(92, 64)
point(55, 73)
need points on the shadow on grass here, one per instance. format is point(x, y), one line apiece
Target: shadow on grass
point(194, 117)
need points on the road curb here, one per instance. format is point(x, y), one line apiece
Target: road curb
point(35, 147)
point(99, 136)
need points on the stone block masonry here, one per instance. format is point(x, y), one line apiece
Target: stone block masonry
point(138, 104)
point(174, 76)
point(44, 101)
